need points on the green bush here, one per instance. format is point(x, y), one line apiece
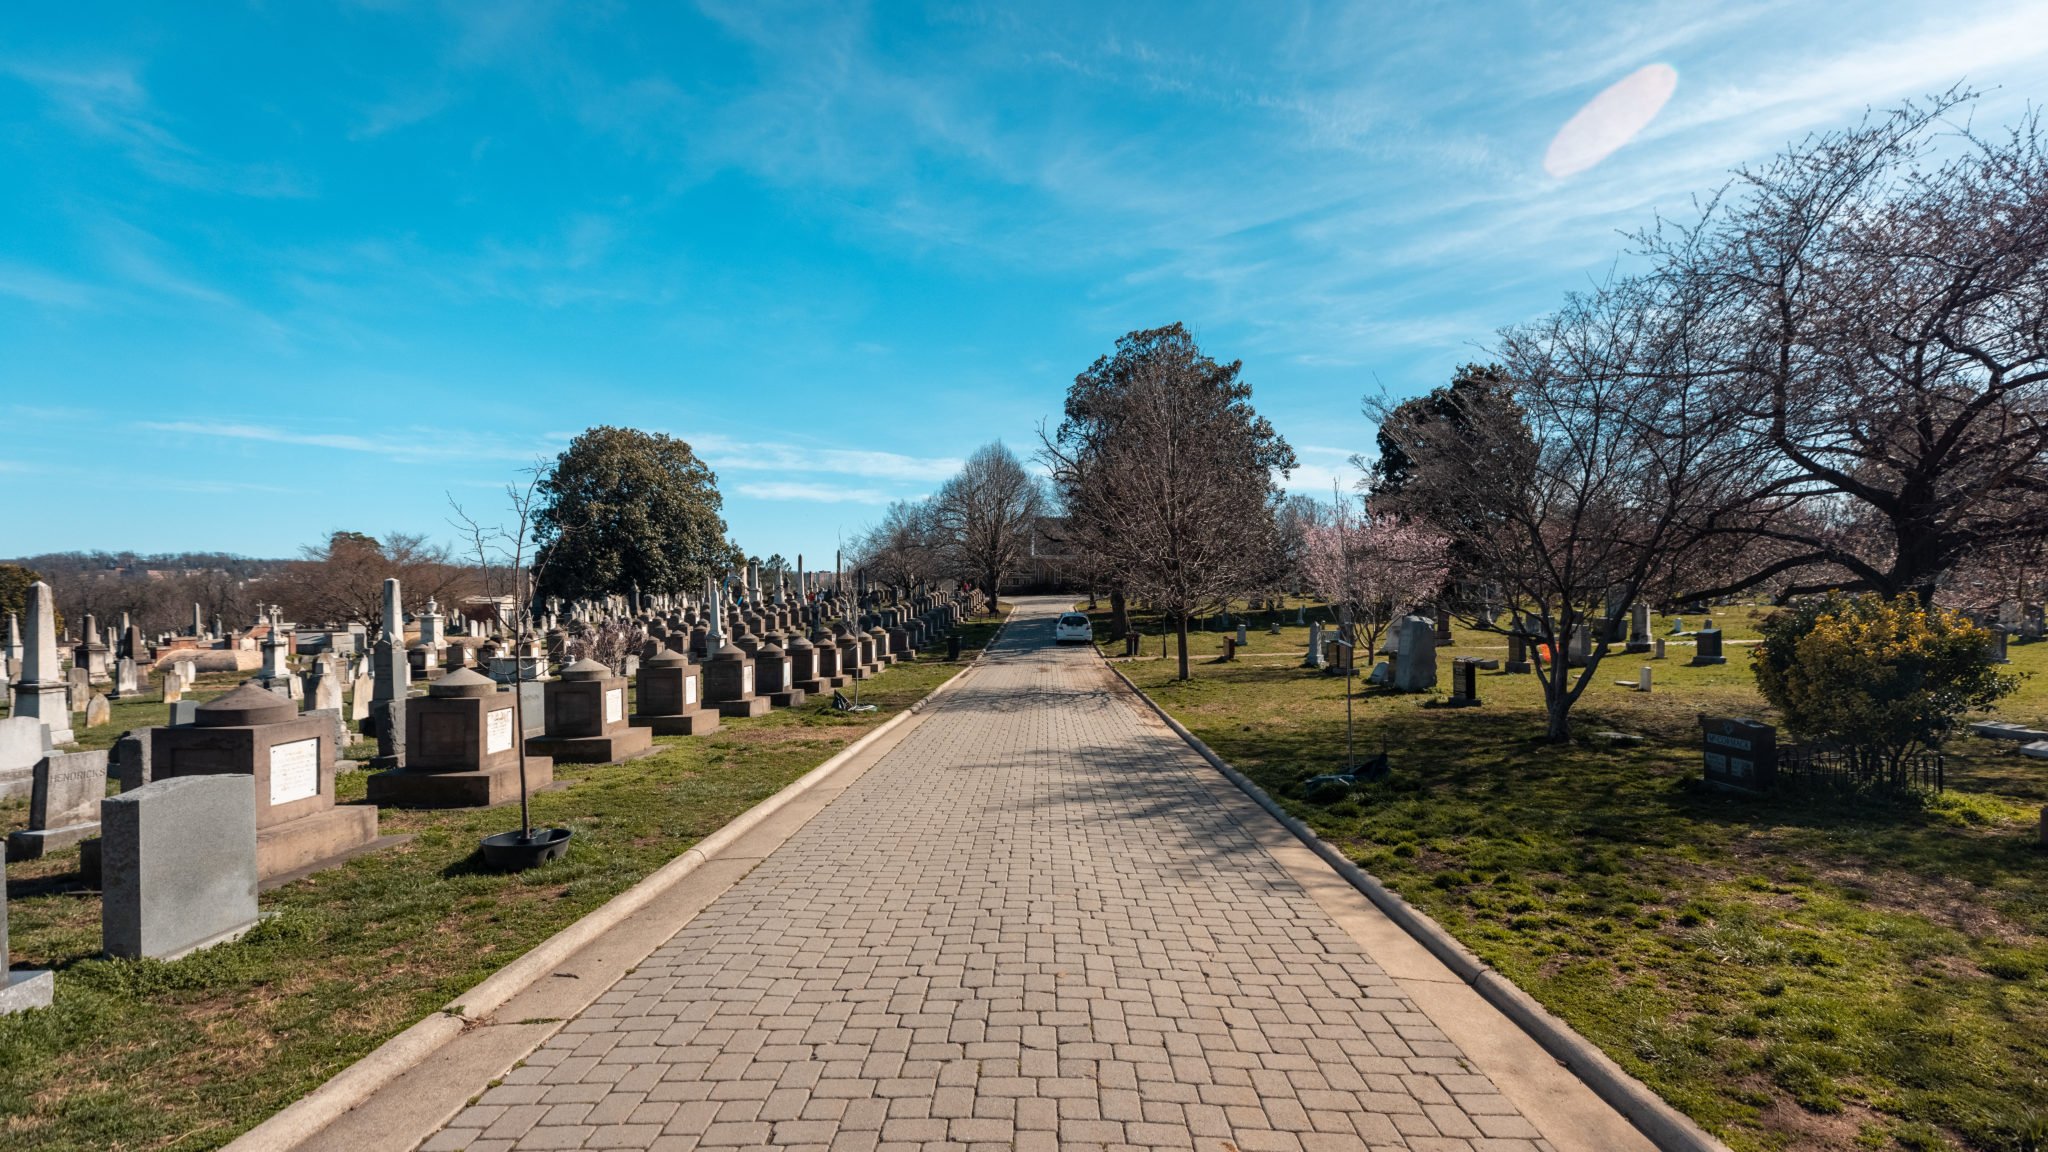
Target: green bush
point(1885, 677)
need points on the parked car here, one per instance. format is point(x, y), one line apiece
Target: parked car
point(1074, 628)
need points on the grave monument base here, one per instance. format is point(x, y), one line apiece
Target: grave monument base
point(26, 988)
point(751, 706)
point(310, 843)
point(697, 723)
point(616, 747)
point(794, 698)
point(33, 843)
point(483, 788)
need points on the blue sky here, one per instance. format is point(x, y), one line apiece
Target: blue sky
point(272, 270)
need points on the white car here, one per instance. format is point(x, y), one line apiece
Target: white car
point(1074, 628)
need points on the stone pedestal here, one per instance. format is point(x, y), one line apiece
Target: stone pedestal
point(462, 749)
point(669, 697)
point(729, 684)
point(586, 718)
point(290, 761)
point(803, 664)
point(773, 672)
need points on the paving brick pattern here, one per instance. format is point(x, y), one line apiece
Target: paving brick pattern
point(1028, 926)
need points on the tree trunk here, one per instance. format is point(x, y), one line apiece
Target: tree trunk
point(1557, 700)
point(1180, 625)
point(1119, 615)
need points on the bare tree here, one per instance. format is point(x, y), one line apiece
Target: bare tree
point(983, 516)
point(1371, 564)
point(1165, 466)
point(343, 578)
point(1579, 485)
point(1877, 311)
point(905, 548)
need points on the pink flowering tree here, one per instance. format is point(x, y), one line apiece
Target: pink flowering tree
point(1372, 564)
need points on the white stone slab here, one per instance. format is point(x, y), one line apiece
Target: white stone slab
point(294, 771)
point(498, 731)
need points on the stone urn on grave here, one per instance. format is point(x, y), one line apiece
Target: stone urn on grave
point(670, 697)
point(461, 749)
point(586, 718)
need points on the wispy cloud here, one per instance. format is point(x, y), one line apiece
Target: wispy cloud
point(414, 444)
point(39, 287)
point(726, 454)
point(812, 493)
point(110, 103)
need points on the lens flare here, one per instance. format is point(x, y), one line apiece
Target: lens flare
point(1610, 120)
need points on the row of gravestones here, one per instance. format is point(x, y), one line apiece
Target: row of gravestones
point(239, 792)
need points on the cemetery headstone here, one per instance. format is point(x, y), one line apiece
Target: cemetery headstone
point(40, 691)
point(1518, 652)
point(586, 718)
point(128, 761)
point(670, 696)
point(1415, 661)
point(20, 988)
point(1708, 651)
point(462, 750)
point(1464, 682)
point(1638, 628)
point(289, 758)
point(1739, 754)
point(64, 807)
point(23, 743)
point(98, 711)
point(178, 866)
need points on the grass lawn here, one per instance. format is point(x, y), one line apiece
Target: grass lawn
point(1791, 971)
point(186, 1055)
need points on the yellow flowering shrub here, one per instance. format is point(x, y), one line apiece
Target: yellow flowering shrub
point(1886, 677)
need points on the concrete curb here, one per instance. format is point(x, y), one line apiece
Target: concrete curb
point(1665, 1126)
point(306, 1116)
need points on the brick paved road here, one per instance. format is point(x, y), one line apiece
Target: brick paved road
point(1028, 926)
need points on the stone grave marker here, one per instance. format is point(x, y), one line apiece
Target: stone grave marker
point(1739, 754)
point(254, 734)
point(670, 695)
point(128, 761)
point(586, 718)
point(64, 807)
point(98, 711)
point(1415, 658)
point(20, 988)
point(1464, 682)
point(1708, 651)
point(23, 743)
point(462, 750)
point(178, 866)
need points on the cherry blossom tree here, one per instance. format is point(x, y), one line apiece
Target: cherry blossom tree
point(1372, 564)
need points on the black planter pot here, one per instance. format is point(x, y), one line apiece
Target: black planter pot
point(511, 852)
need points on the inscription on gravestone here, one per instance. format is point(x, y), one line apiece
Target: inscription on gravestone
point(294, 771)
point(498, 731)
point(1740, 754)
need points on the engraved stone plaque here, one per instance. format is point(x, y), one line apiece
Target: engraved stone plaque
point(294, 771)
point(498, 731)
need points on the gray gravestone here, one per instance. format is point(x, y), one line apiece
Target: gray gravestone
point(23, 741)
point(1415, 654)
point(184, 712)
point(1709, 650)
point(64, 806)
point(129, 761)
point(178, 866)
point(20, 988)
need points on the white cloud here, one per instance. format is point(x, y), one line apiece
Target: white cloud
point(413, 444)
point(815, 493)
point(1610, 120)
point(725, 453)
